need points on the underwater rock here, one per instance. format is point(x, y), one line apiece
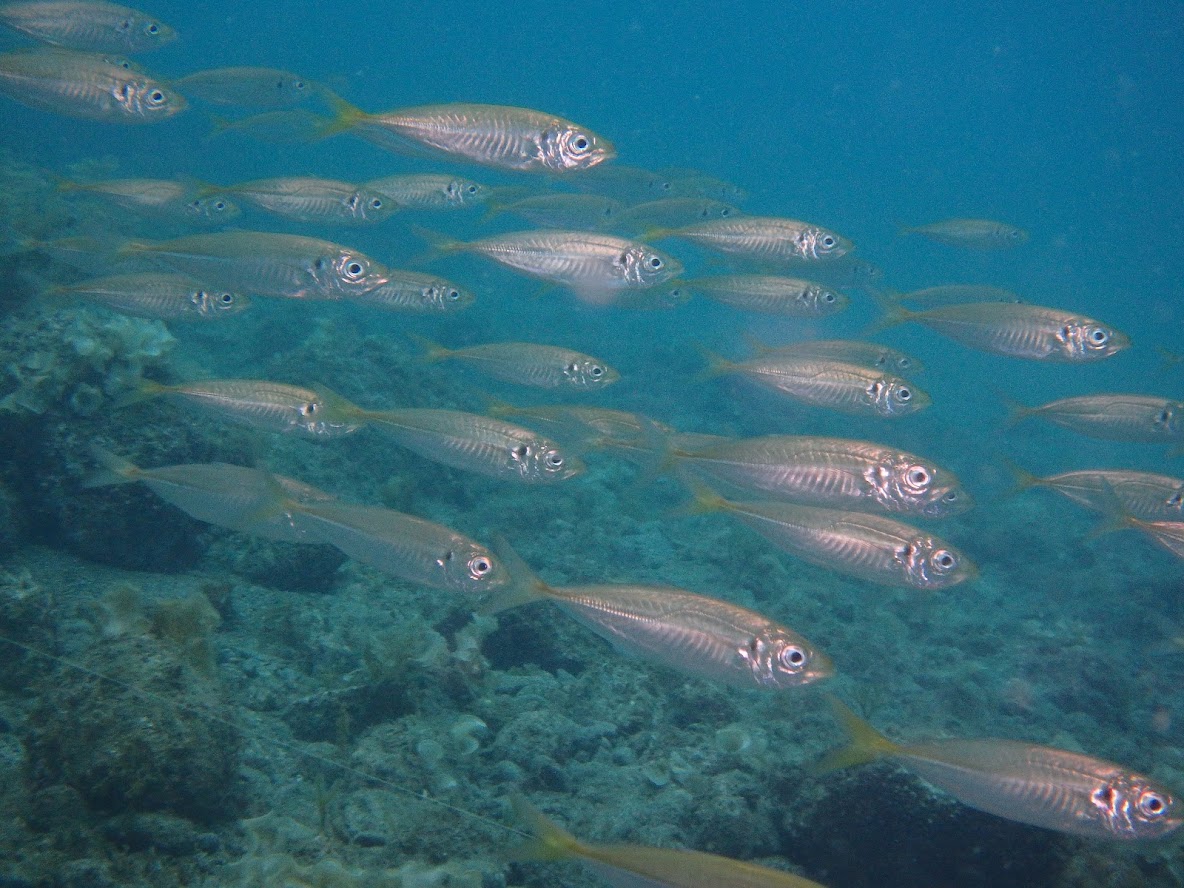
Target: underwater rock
point(9, 521)
point(129, 752)
point(289, 567)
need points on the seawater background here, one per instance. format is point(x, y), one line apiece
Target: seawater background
point(857, 116)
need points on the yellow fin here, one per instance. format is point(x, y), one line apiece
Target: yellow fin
point(866, 744)
point(717, 365)
point(551, 841)
point(113, 469)
point(432, 351)
point(145, 389)
point(345, 115)
point(524, 587)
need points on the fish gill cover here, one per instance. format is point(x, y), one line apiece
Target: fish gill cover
point(336, 618)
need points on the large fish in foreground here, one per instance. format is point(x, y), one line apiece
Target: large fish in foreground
point(85, 85)
point(1039, 785)
point(94, 26)
point(499, 136)
point(692, 633)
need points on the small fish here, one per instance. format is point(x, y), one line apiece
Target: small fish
point(167, 297)
point(431, 191)
point(833, 472)
point(85, 85)
point(314, 199)
point(478, 444)
point(1053, 788)
point(596, 426)
point(412, 291)
point(695, 183)
point(857, 351)
point(947, 294)
point(626, 183)
point(691, 633)
point(284, 265)
point(235, 497)
point(398, 544)
point(582, 260)
point(673, 212)
point(1137, 419)
point(492, 135)
point(288, 126)
point(771, 294)
point(528, 363)
point(580, 211)
point(640, 866)
point(93, 26)
point(870, 547)
point(165, 198)
point(978, 234)
point(827, 382)
point(1031, 332)
point(247, 86)
point(271, 406)
point(766, 237)
point(1142, 495)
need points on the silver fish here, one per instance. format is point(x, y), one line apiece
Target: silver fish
point(94, 26)
point(478, 443)
point(314, 199)
point(1054, 788)
point(1143, 419)
point(157, 197)
point(767, 237)
point(772, 294)
point(402, 545)
point(415, 292)
point(167, 297)
point(247, 86)
point(1032, 332)
point(833, 384)
point(673, 212)
point(1142, 495)
point(692, 633)
point(264, 264)
point(529, 363)
point(870, 547)
point(946, 294)
point(85, 85)
point(579, 211)
point(494, 135)
point(833, 472)
point(856, 351)
point(979, 234)
point(431, 191)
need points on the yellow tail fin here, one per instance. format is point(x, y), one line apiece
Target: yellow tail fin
point(866, 744)
point(551, 841)
point(345, 115)
point(113, 469)
point(432, 351)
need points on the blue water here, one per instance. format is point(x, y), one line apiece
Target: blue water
point(862, 117)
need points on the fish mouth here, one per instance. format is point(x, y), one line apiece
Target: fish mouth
point(821, 667)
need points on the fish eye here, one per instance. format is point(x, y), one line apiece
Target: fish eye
point(581, 143)
point(596, 371)
point(944, 559)
point(1098, 336)
point(656, 262)
point(828, 242)
point(480, 565)
point(918, 476)
point(554, 460)
point(299, 84)
point(520, 451)
point(219, 205)
point(376, 203)
point(156, 97)
point(793, 658)
point(1152, 804)
point(950, 497)
point(226, 299)
point(153, 28)
point(472, 189)
point(310, 408)
point(828, 296)
point(904, 363)
point(354, 269)
point(904, 394)
point(725, 212)
point(125, 24)
point(453, 295)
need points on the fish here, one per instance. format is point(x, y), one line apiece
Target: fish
point(585, 261)
point(284, 265)
point(869, 547)
point(856, 351)
point(1031, 332)
point(235, 497)
point(693, 634)
point(579, 211)
point(94, 26)
point(166, 198)
point(528, 363)
point(476, 443)
point(765, 237)
point(431, 191)
point(771, 294)
point(314, 199)
point(626, 183)
point(978, 234)
point(1068, 792)
point(272, 406)
point(1142, 495)
point(641, 866)
point(415, 292)
point(833, 472)
point(1136, 419)
point(946, 294)
point(498, 136)
point(247, 86)
point(695, 183)
point(167, 297)
point(596, 426)
point(673, 212)
point(830, 383)
point(85, 85)
point(402, 545)
point(285, 126)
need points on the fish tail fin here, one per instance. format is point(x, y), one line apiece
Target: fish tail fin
point(219, 126)
point(432, 351)
point(895, 314)
point(346, 115)
point(142, 391)
point(113, 469)
point(657, 232)
point(1017, 411)
point(864, 743)
point(1024, 480)
point(705, 499)
point(499, 408)
point(550, 842)
point(439, 244)
point(717, 365)
point(1115, 516)
point(64, 185)
point(524, 586)
point(758, 347)
point(132, 248)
